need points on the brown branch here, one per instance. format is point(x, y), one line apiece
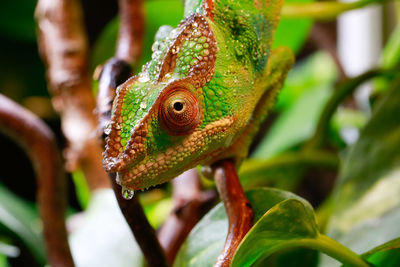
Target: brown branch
point(131, 31)
point(190, 205)
point(129, 48)
point(63, 47)
point(39, 143)
point(114, 72)
point(141, 228)
point(237, 206)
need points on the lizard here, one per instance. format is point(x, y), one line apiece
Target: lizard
point(203, 95)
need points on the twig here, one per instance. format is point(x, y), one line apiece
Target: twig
point(39, 143)
point(63, 47)
point(115, 71)
point(190, 205)
point(237, 206)
point(129, 48)
point(131, 32)
point(141, 228)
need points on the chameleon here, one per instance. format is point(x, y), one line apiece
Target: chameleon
point(203, 95)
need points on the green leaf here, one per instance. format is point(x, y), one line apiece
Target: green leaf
point(19, 220)
point(206, 240)
point(293, 32)
point(289, 223)
point(158, 212)
point(81, 188)
point(367, 201)
point(387, 254)
point(391, 52)
point(283, 221)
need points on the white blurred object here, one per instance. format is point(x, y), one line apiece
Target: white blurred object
point(359, 48)
point(360, 45)
point(103, 237)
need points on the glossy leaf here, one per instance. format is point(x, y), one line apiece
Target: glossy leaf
point(19, 220)
point(206, 240)
point(367, 201)
point(385, 255)
point(289, 223)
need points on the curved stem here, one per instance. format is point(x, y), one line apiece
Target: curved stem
point(140, 227)
point(128, 51)
point(323, 10)
point(237, 206)
point(39, 143)
point(64, 48)
point(344, 89)
point(336, 250)
point(309, 158)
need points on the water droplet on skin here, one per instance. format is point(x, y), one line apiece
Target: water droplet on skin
point(107, 130)
point(144, 78)
point(127, 193)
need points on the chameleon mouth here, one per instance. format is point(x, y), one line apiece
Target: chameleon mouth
point(133, 151)
point(175, 160)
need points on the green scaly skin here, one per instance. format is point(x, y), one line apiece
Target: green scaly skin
point(202, 97)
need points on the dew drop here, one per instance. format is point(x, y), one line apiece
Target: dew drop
point(107, 130)
point(144, 78)
point(143, 105)
point(127, 193)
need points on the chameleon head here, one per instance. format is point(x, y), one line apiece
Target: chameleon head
point(158, 128)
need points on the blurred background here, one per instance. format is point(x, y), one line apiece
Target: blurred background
point(326, 53)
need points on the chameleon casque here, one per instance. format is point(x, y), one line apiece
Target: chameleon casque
point(203, 95)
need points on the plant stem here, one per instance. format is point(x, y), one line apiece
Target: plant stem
point(337, 251)
point(309, 158)
point(323, 10)
point(344, 89)
point(237, 207)
point(143, 232)
point(40, 145)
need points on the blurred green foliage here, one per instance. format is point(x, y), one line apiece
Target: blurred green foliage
point(363, 212)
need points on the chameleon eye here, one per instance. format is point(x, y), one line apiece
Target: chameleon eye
point(179, 112)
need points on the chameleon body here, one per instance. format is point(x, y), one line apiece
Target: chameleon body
point(203, 95)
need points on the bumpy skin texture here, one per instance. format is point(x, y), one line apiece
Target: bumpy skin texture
point(203, 95)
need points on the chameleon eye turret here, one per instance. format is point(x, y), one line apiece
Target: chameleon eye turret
point(179, 112)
